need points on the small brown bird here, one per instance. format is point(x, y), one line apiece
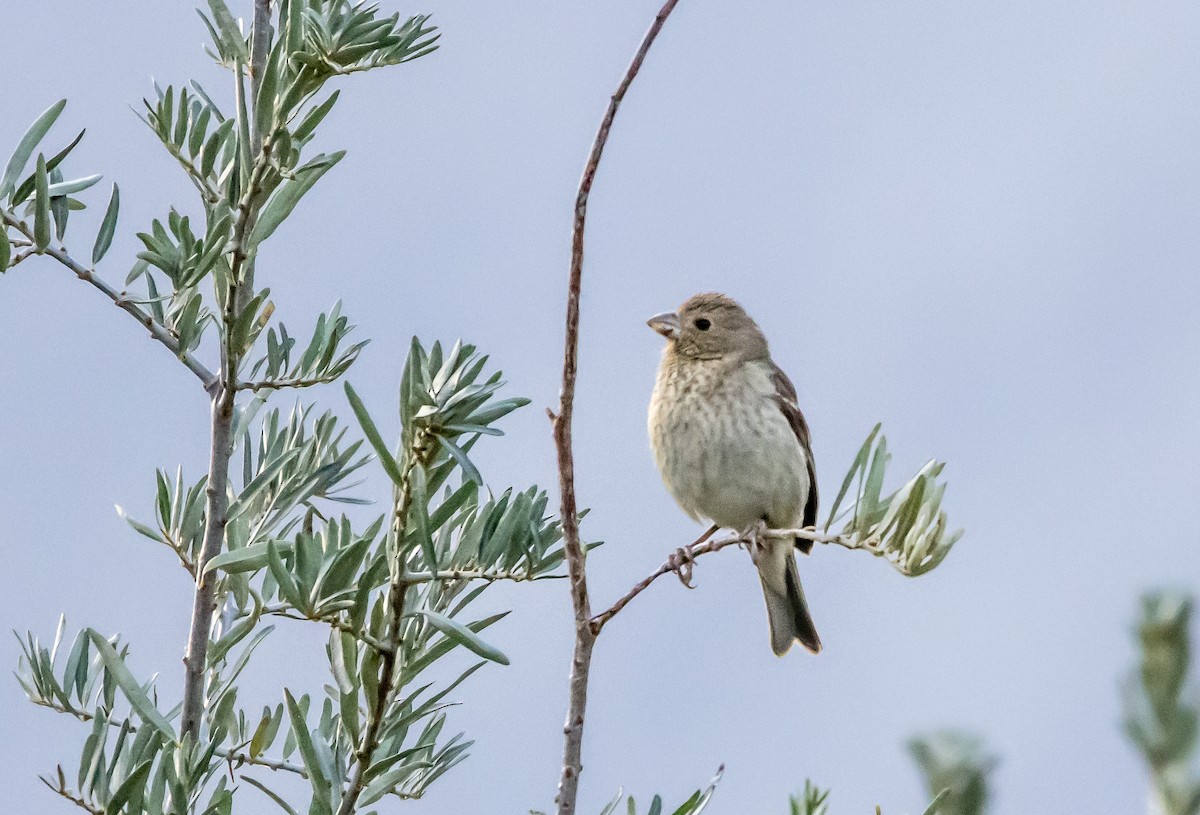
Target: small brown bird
point(733, 447)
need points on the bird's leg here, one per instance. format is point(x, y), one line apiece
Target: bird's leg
point(680, 561)
point(754, 537)
point(712, 530)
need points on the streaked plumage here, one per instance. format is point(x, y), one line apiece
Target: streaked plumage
point(732, 445)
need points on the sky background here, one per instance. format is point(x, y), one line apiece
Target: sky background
point(974, 222)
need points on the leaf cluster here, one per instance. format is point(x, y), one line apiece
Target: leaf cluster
point(907, 527)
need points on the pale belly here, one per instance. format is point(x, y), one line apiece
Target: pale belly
point(734, 466)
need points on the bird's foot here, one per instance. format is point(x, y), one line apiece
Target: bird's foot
point(680, 561)
point(754, 539)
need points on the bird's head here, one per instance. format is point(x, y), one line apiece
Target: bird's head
point(711, 326)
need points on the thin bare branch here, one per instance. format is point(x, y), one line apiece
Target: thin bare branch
point(397, 594)
point(694, 551)
point(572, 764)
point(288, 613)
point(72, 797)
point(480, 574)
point(260, 47)
point(157, 330)
point(224, 397)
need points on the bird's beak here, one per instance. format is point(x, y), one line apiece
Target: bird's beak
point(666, 324)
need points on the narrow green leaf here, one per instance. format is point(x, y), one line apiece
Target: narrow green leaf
point(287, 197)
point(232, 41)
point(25, 147)
point(464, 636)
point(285, 579)
point(274, 797)
point(372, 433)
point(41, 201)
point(470, 471)
point(108, 226)
point(5, 248)
point(199, 130)
point(314, 117)
point(258, 742)
point(419, 513)
point(60, 210)
point(294, 27)
point(265, 477)
point(26, 187)
point(135, 782)
point(869, 500)
point(338, 663)
point(316, 776)
point(115, 666)
point(246, 559)
point(266, 98)
point(68, 187)
point(860, 461)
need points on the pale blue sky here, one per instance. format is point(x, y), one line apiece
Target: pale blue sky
point(974, 222)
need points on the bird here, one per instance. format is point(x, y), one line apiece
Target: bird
point(733, 447)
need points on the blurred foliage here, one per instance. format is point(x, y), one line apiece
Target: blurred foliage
point(956, 766)
point(1162, 706)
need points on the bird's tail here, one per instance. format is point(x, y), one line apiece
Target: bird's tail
point(787, 612)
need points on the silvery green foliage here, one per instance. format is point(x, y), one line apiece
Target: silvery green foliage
point(380, 726)
point(1162, 706)
point(907, 527)
point(285, 560)
point(956, 767)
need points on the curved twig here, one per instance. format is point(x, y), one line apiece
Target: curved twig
point(696, 550)
point(157, 330)
point(568, 785)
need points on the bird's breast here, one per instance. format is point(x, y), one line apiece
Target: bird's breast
point(724, 448)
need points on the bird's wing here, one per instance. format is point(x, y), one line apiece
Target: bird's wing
point(785, 397)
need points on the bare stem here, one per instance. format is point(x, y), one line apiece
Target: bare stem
point(572, 764)
point(696, 550)
point(216, 517)
point(480, 574)
point(74, 799)
point(260, 47)
point(157, 330)
point(397, 595)
point(224, 398)
point(340, 625)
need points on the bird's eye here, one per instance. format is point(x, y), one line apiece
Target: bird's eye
point(703, 324)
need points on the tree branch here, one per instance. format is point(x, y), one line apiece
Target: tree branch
point(480, 574)
point(397, 594)
point(694, 551)
point(157, 330)
point(224, 398)
point(74, 799)
point(572, 764)
point(363, 636)
point(260, 47)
